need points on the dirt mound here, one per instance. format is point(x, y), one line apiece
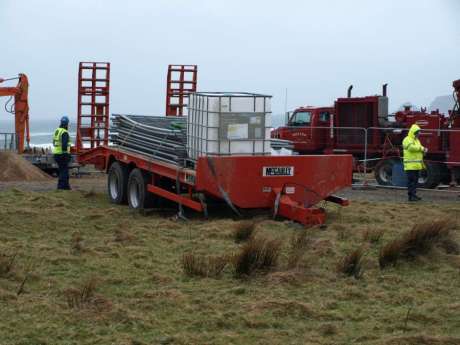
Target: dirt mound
point(15, 168)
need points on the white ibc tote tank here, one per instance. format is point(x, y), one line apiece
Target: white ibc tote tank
point(228, 124)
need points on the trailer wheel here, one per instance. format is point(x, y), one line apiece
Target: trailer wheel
point(138, 196)
point(117, 181)
point(383, 172)
point(431, 177)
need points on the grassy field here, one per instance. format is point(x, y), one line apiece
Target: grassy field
point(75, 269)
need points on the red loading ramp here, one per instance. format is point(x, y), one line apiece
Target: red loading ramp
point(93, 105)
point(181, 82)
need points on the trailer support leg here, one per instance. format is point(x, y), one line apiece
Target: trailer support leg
point(338, 200)
point(290, 209)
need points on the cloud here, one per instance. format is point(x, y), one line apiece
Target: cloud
point(315, 49)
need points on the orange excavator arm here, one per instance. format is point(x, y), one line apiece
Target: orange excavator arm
point(20, 108)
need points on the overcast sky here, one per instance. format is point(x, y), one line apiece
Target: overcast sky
point(315, 49)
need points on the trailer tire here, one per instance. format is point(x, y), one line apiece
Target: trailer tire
point(138, 195)
point(431, 177)
point(383, 172)
point(117, 182)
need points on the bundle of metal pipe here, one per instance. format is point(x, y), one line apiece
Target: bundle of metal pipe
point(159, 137)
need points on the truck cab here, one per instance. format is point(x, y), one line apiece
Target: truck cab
point(307, 128)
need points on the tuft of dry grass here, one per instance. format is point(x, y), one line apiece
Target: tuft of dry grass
point(203, 266)
point(420, 240)
point(373, 236)
point(258, 254)
point(328, 329)
point(89, 194)
point(122, 236)
point(298, 245)
point(352, 263)
point(282, 308)
point(7, 264)
point(76, 243)
point(85, 297)
point(284, 277)
point(450, 246)
point(81, 296)
point(243, 231)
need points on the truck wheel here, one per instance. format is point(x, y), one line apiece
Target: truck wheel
point(117, 181)
point(431, 177)
point(446, 175)
point(138, 196)
point(383, 172)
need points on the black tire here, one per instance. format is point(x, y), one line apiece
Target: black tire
point(383, 172)
point(431, 177)
point(138, 196)
point(446, 176)
point(117, 182)
point(456, 174)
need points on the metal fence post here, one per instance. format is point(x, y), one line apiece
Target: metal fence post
point(365, 157)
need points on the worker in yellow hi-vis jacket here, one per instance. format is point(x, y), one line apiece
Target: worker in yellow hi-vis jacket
point(413, 160)
point(61, 152)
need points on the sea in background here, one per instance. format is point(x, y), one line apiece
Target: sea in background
point(41, 131)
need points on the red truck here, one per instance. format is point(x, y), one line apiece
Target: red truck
point(362, 126)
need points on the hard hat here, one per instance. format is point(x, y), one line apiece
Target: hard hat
point(64, 120)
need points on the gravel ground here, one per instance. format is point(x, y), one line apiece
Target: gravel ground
point(380, 194)
point(98, 182)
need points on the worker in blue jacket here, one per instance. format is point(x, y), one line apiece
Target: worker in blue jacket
point(61, 152)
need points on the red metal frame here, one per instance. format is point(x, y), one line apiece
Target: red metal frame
point(93, 105)
point(20, 109)
point(181, 82)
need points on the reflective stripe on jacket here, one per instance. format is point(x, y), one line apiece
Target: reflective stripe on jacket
point(413, 150)
point(57, 141)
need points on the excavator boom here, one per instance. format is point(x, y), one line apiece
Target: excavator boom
point(20, 109)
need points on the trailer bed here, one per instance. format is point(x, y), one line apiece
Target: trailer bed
point(288, 185)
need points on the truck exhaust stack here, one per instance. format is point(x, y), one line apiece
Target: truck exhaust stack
point(349, 91)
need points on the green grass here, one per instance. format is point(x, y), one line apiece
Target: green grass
point(65, 241)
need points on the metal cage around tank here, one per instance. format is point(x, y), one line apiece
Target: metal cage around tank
point(228, 123)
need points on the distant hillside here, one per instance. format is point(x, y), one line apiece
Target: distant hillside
point(443, 103)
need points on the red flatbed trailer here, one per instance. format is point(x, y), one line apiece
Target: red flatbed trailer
point(288, 185)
